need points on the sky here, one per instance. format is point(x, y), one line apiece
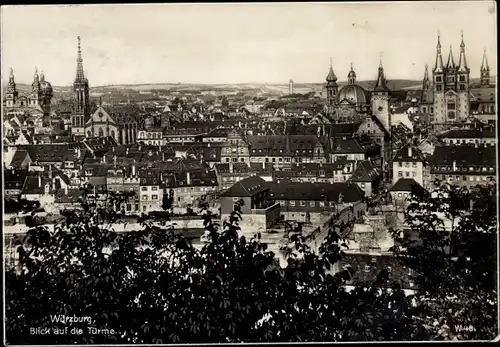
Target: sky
point(242, 43)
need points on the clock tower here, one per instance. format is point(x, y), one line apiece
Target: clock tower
point(380, 99)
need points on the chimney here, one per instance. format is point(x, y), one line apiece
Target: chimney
point(188, 178)
point(39, 181)
point(133, 170)
point(409, 151)
point(454, 165)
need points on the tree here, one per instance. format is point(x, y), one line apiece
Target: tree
point(454, 267)
point(168, 200)
point(225, 102)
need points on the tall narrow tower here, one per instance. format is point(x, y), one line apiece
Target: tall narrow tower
point(380, 98)
point(331, 89)
point(463, 96)
point(11, 96)
point(81, 107)
point(485, 71)
point(35, 90)
point(438, 77)
point(290, 87)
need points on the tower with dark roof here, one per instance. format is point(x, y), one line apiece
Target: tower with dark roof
point(331, 89)
point(451, 87)
point(11, 96)
point(485, 71)
point(35, 90)
point(81, 106)
point(380, 98)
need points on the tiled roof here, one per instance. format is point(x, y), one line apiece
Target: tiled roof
point(483, 94)
point(464, 156)
point(365, 172)
point(247, 187)
point(404, 154)
point(468, 133)
point(19, 157)
point(281, 144)
point(346, 145)
point(404, 185)
point(14, 179)
point(53, 152)
point(314, 191)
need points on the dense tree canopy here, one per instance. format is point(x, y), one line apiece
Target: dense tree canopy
point(154, 286)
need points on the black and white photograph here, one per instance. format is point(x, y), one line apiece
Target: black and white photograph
point(253, 173)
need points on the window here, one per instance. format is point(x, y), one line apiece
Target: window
point(154, 188)
point(302, 203)
point(363, 185)
point(400, 164)
point(129, 207)
point(292, 203)
point(462, 78)
point(407, 164)
point(400, 173)
point(144, 189)
point(407, 174)
point(374, 259)
point(438, 87)
point(451, 115)
point(367, 268)
point(321, 204)
point(451, 106)
point(154, 197)
point(438, 79)
point(462, 87)
point(414, 164)
point(400, 195)
point(312, 203)
point(282, 203)
point(144, 208)
point(414, 174)
point(144, 197)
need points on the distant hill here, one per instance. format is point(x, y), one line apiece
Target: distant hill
point(257, 87)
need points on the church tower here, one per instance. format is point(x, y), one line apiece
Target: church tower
point(462, 87)
point(81, 107)
point(380, 99)
point(485, 71)
point(331, 89)
point(438, 77)
point(11, 96)
point(35, 90)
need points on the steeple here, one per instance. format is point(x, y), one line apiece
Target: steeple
point(11, 87)
point(426, 83)
point(80, 78)
point(381, 85)
point(36, 81)
point(485, 71)
point(462, 62)
point(351, 77)
point(438, 67)
point(451, 61)
point(42, 77)
point(484, 64)
point(331, 78)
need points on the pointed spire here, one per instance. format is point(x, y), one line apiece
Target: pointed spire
point(11, 88)
point(331, 75)
point(438, 67)
point(381, 85)
point(426, 82)
point(484, 64)
point(462, 62)
point(42, 76)
point(451, 61)
point(80, 78)
point(12, 71)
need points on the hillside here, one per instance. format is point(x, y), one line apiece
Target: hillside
point(257, 87)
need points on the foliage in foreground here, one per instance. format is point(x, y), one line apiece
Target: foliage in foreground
point(153, 286)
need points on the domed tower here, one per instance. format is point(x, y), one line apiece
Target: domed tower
point(35, 97)
point(46, 94)
point(81, 107)
point(11, 96)
point(351, 77)
point(331, 89)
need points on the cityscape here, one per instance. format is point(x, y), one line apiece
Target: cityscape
point(359, 206)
